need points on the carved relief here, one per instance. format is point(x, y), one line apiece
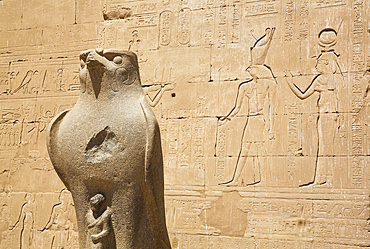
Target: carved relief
point(26, 222)
point(99, 223)
point(326, 83)
point(259, 93)
point(184, 28)
point(62, 222)
point(126, 192)
point(38, 82)
point(186, 214)
point(255, 8)
point(165, 28)
point(154, 93)
point(281, 171)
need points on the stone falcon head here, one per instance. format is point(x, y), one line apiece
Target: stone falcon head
point(106, 70)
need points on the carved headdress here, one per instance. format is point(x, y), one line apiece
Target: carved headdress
point(261, 46)
point(327, 39)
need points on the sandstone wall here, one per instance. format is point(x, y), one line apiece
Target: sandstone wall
point(249, 161)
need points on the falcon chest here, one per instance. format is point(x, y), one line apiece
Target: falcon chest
point(106, 137)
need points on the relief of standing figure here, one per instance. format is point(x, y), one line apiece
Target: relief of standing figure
point(259, 94)
point(26, 222)
point(326, 83)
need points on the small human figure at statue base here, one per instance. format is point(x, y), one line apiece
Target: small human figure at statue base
point(99, 222)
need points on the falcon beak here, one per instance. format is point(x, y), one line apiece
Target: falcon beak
point(96, 64)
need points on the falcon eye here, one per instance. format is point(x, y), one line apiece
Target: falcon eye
point(117, 60)
point(82, 63)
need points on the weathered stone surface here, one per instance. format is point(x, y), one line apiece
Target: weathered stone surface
point(304, 185)
point(107, 151)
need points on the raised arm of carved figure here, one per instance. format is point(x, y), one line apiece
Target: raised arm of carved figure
point(20, 217)
point(298, 92)
point(107, 229)
point(51, 219)
point(25, 206)
point(158, 96)
point(238, 103)
point(149, 89)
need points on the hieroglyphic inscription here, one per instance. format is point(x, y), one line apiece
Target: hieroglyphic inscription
point(144, 8)
point(201, 106)
point(198, 144)
point(289, 21)
point(184, 27)
point(357, 172)
point(222, 29)
point(165, 28)
point(144, 20)
point(303, 22)
point(261, 7)
point(303, 208)
point(345, 229)
point(236, 21)
point(135, 8)
point(209, 22)
point(292, 141)
point(358, 60)
point(357, 94)
point(221, 154)
point(305, 218)
point(10, 135)
point(329, 3)
point(6, 81)
point(257, 207)
point(274, 225)
point(358, 64)
point(318, 228)
point(357, 139)
point(186, 213)
point(172, 144)
point(185, 145)
point(38, 81)
point(358, 28)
